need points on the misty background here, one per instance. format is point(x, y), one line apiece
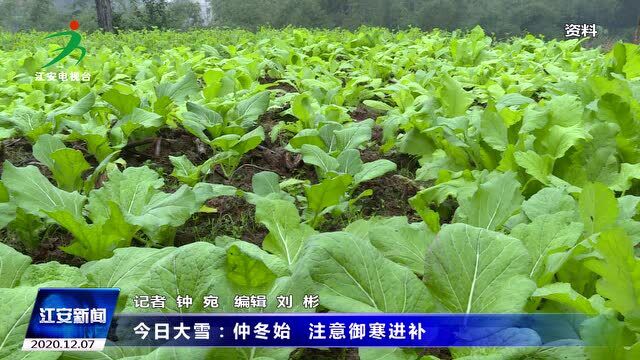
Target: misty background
point(617, 19)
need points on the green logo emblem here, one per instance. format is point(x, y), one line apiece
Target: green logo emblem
point(73, 44)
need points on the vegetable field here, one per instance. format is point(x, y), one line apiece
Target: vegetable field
point(383, 171)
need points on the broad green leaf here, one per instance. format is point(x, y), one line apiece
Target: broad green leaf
point(619, 270)
point(247, 271)
point(179, 90)
point(69, 165)
point(199, 118)
point(493, 203)
point(51, 271)
point(389, 354)
point(557, 140)
point(416, 143)
point(265, 183)
point(354, 277)
point(124, 269)
point(27, 228)
point(608, 339)
point(250, 109)
point(66, 165)
point(313, 155)
point(4, 193)
point(184, 170)
point(131, 189)
point(514, 99)
point(432, 164)
point(534, 118)
point(286, 233)
point(377, 105)
point(44, 147)
point(81, 106)
point(352, 137)
point(628, 172)
point(139, 118)
point(401, 242)
point(197, 270)
point(97, 141)
point(455, 100)
point(97, 240)
point(307, 136)
point(349, 162)
point(628, 206)
point(374, 169)
point(540, 167)
point(7, 213)
point(123, 102)
point(166, 209)
point(206, 191)
point(7, 133)
point(631, 67)
point(598, 207)
point(302, 107)
point(564, 294)
point(15, 307)
point(548, 201)
point(218, 83)
point(327, 193)
point(474, 270)
point(7, 209)
point(461, 186)
point(12, 265)
point(225, 142)
point(249, 141)
point(546, 238)
point(565, 110)
point(30, 123)
point(35, 194)
point(493, 129)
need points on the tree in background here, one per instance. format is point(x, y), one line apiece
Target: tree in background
point(155, 12)
point(503, 18)
point(184, 14)
point(104, 15)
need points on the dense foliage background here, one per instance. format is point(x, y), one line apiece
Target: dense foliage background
point(369, 167)
point(618, 18)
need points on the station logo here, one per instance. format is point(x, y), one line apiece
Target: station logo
point(72, 45)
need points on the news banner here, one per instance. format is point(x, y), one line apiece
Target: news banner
point(85, 319)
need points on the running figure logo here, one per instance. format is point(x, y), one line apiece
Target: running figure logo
point(74, 43)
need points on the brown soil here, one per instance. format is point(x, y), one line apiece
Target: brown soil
point(440, 353)
point(404, 162)
point(234, 218)
point(19, 153)
point(363, 112)
point(376, 134)
point(322, 354)
point(172, 142)
point(278, 85)
point(47, 250)
point(390, 197)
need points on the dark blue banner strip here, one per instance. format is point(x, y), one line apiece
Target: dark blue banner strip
point(72, 313)
point(345, 330)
